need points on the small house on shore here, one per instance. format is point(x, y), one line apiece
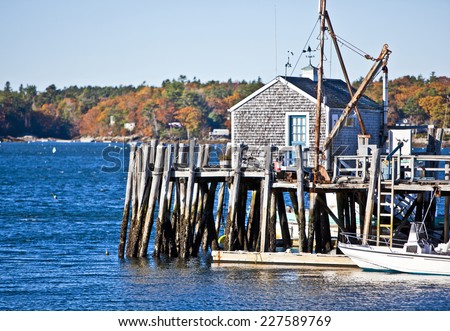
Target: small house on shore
point(282, 113)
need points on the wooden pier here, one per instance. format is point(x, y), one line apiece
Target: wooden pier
point(181, 197)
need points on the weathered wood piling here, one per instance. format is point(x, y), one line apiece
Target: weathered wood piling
point(179, 200)
point(176, 197)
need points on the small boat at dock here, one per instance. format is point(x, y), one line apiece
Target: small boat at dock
point(417, 255)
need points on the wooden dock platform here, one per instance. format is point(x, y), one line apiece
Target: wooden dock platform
point(182, 193)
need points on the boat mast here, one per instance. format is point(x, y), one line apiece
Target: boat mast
point(318, 112)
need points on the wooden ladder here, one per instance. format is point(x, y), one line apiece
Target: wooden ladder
point(385, 216)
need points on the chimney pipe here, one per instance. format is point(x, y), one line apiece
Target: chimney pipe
point(385, 94)
point(385, 106)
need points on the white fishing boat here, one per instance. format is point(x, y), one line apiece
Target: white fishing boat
point(417, 255)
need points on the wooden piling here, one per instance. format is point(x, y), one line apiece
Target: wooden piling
point(241, 215)
point(265, 198)
point(186, 187)
point(312, 220)
point(197, 194)
point(373, 183)
point(180, 238)
point(213, 235)
point(325, 244)
point(206, 216)
point(234, 196)
point(135, 223)
point(272, 222)
point(285, 233)
point(446, 205)
point(301, 219)
point(219, 210)
point(126, 208)
point(154, 195)
point(253, 221)
point(163, 225)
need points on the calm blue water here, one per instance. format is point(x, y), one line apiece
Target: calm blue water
point(52, 252)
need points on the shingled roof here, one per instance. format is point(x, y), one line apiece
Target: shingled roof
point(335, 90)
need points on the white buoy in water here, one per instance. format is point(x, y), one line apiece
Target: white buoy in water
point(54, 150)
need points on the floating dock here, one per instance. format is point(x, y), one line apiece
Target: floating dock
point(282, 258)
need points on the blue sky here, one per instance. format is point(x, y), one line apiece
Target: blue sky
point(123, 42)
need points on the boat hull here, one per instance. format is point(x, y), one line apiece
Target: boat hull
point(390, 259)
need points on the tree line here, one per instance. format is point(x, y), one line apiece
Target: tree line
point(420, 101)
point(181, 108)
point(178, 108)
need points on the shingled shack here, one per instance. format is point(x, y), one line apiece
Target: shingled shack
point(282, 113)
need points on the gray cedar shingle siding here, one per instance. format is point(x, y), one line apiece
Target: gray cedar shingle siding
point(261, 120)
point(347, 136)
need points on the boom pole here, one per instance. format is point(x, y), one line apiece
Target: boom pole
point(379, 63)
point(344, 70)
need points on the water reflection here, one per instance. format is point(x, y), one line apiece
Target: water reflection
point(197, 285)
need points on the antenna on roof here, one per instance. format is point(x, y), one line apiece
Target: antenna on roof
point(288, 64)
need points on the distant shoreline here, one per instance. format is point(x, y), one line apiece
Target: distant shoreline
point(118, 139)
point(417, 142)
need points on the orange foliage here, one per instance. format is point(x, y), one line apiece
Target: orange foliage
point(190, 117)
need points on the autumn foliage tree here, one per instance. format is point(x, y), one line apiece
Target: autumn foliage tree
point(191, 118)
point(421, 101)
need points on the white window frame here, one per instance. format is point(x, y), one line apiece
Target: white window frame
point(287, 127)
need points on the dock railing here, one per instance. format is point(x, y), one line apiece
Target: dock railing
point(416, 168)
point(353, 167)
point(284, 158)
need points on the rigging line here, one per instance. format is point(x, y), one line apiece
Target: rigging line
point(428, 209)
point(306, 44)
point(354, 48)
